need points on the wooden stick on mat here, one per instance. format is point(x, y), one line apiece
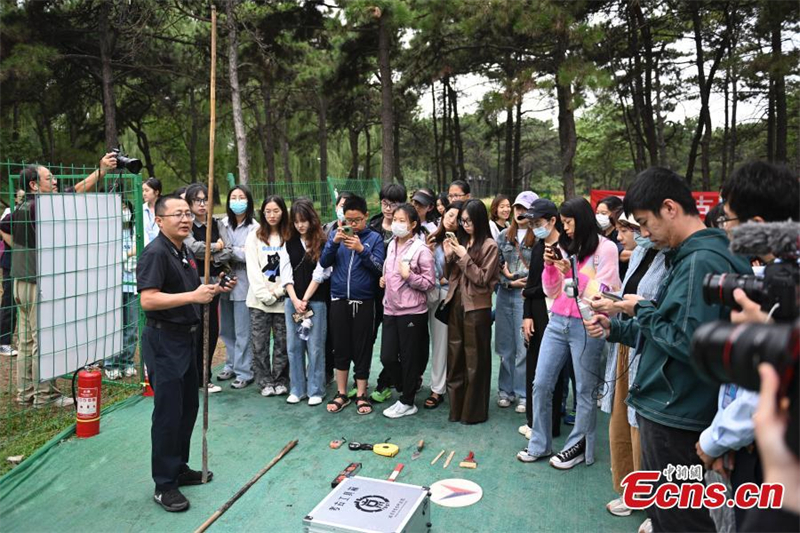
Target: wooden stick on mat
point(219, 512)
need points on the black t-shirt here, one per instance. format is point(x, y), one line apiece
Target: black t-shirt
point(162, 266)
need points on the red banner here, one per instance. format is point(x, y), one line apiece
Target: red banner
point(704, 200)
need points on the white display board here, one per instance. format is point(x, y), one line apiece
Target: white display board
point(79, 243)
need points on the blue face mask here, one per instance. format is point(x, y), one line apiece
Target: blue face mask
point(238, 206)
point(644, 242)
point(542, 232)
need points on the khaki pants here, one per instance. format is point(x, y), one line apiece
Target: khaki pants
point(626, 450)
point(29, 388)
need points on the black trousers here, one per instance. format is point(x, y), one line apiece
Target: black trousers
point(353, 335)
point(328, 341)
point(661, 446)
point(540, 321)
point(170, 360)
point(747, 469)
point(404, 345)
point(8, 311)
point(213, 337)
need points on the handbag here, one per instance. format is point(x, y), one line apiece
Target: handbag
point(442, 312)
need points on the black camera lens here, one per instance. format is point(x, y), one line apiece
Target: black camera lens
point(127, 163)
point(718, 289)
point(731, 353)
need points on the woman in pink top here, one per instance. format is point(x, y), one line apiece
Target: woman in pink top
point(408, 275)
point(588, 264)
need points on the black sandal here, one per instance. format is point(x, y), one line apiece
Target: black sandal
point(432, 402)
point(339, 405)
point(361, 403)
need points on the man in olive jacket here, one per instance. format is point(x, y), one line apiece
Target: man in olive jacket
point(672, 402)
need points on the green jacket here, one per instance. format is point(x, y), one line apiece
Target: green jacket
point(667, 390)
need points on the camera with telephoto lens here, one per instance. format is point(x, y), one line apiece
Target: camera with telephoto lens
point(778, 287)
point(127, 163)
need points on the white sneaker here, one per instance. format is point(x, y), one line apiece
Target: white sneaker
point(570, 457)
point(520, 408)
point(617, 508)
point(399, 410)
point(315, 400)
point(646, 527)
point(7, 350)
point(503, 402)
point(525, 457)
point(269, 390)
point(213, 388)
point(130, 371)
point(112, 373)
point(294, 399)
point(525, 431)
point(61, 401)
point(280, 390)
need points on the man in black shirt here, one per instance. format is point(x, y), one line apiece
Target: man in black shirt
point(171, 296)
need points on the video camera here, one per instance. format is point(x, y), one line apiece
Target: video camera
point(127, 163)
point(730, 353)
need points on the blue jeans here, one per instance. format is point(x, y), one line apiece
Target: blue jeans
point(307, 381)
point(234, 331)
point(566, 337)
point(130, 326)
point(510, 345)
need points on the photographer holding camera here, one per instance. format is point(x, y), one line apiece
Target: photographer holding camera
point(672, 403)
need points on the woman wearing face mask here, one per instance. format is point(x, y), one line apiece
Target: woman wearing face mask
point(408, 275)
point(473, 269)
point(596, 270)
point(197, 198)
point(122, 364)
point(234, 315)
point(515, 244)
point(607, 212)
point(543, 217)
point(645, 273)
point(438, 329)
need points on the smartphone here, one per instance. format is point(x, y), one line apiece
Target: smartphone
point(450, 235)
point(612, 297)
point(348, 230)
point(556, 252)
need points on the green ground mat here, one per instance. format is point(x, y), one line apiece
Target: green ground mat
point(103, 483)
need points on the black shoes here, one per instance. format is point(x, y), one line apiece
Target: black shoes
point(171, 500)
point(193, 477)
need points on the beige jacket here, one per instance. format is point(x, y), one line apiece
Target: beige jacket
point(475, 275)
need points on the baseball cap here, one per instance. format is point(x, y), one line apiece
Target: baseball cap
point(629, 220)
point(526, 198)
point(423, 198)
point(541, 208)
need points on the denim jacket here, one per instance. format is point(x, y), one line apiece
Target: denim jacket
point(517, 257)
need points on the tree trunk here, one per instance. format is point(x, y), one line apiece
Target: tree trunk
point(236, 98)
point(15, 123)
point(508, 164)
point(726, 128)
point(287, 169)
point(645, 93)
point(107, 40)
point(658, 110)
point(268, 136)
point(368, 156)
point(144, 147)
point(194, 133)
point(451, 140)
point(779, 84)
point(398, 173)
point(516, 182)
point(323, 137)
point(462, 173)
point(387, 104)
point(439, 181)
point(771, 121)
point(352, 135)
point(568, 139)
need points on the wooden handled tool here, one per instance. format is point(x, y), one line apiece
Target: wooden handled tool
point(441, 453)
point(449, 458)
point(416, 454)
point(469, 461)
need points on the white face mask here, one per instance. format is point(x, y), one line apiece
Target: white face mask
point(126, 216)
point(603, 221)
point(340, 214)
point(400, 229)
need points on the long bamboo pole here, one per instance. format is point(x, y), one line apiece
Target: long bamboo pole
point(209, 218)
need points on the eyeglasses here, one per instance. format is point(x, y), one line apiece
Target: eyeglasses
point(722, 220)
point(452, 197)
point(180, 216)
point(389, 205)
point(354, 221)
point(466, 222)
point(200, 201)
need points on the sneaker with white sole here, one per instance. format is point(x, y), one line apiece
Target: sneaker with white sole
point(503, 402)
point(314, 400)
point(7, 350)
point(520, 408)
point(61, 401)
point(130, 371)
point(400, 409)
point(213, 388)
point(112, 373)
point(646, 527)
point(570, 457)
point(280, 390)
point(525, 431)
point(171, 500)
point(267, 391)
point(293, 398)
point(617, 508)
point(525, 457)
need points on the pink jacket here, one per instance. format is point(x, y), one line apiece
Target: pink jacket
point(597, 272)
point(407, 296)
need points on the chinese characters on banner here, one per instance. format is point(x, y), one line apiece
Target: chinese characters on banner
point(705, 200)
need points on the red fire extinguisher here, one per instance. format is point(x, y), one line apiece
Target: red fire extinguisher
point(88, 402)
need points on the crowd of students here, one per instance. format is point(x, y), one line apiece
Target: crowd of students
point(605, 299)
